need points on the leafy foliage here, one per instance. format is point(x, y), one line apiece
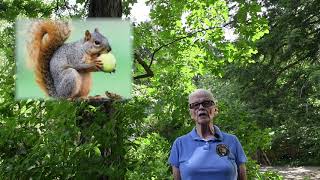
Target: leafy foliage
point(149, 158)
point(267, 86)
point(281, 87)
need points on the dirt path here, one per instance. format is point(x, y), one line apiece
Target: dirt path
point(290, 173)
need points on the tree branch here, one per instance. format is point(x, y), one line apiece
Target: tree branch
point(178, 39)
point(149, 72)
point(286, 68)
point(147, 68)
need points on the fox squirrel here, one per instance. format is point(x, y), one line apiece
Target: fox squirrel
point(63, 70)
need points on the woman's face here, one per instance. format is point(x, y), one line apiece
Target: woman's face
point(202, 108)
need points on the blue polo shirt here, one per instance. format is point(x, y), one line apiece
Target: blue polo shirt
point(215, 158)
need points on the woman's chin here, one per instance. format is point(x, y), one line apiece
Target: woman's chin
point(203, 121)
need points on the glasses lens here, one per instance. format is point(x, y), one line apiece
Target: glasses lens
point(194, 105)
point(207, 103)
point(204, 104)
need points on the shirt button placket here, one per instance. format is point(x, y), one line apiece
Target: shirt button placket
point(206, 146)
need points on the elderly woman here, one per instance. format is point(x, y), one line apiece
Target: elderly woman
point(206, 153)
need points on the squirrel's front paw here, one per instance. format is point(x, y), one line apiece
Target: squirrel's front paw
point(99, 65)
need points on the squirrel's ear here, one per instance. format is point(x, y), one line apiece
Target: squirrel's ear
point(96, 30)
point(87, 36)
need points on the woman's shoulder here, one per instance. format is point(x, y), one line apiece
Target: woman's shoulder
point(228, 136)
point(225, 136)
point(183, 138)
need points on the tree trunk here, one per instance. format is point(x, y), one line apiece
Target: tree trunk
point(105, 8)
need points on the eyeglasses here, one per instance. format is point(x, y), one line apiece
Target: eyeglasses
point(204, 104)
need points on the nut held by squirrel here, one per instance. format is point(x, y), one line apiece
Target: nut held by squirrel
point(109, 62)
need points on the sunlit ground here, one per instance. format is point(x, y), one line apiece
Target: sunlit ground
point(290, 173)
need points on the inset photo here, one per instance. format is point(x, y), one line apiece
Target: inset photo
point(73, 59)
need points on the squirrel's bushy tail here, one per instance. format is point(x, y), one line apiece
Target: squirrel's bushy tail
point(46, 37)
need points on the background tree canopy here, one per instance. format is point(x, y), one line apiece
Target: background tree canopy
point(266, 81)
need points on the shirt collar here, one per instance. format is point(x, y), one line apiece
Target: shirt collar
point(217, 134)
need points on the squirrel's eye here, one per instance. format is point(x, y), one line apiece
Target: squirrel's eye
point(97, 42)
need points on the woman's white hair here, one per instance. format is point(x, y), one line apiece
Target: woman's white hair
point(204, 92)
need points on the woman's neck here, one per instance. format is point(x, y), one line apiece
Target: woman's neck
point(205, 131)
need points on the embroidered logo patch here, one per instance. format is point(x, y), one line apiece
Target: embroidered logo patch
point(222, 150)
